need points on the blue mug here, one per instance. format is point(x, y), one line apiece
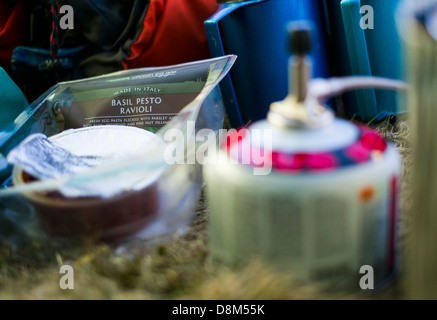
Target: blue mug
point(365, 42)
point(255, 32)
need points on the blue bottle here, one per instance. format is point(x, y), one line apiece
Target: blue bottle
point(255, 32)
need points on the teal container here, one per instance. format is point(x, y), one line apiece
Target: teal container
point(12, 103)
point(365, 42)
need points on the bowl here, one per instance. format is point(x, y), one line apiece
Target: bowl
point(107, 219)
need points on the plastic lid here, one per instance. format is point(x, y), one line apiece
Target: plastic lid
point(340, 145)
point(338, 135)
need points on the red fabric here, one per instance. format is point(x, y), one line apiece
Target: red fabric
point(301, 161)
point(368, 145)
point(14, 24)
point(173, 33)
point(373, 141)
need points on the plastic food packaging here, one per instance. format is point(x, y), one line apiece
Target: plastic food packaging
point(109, 157)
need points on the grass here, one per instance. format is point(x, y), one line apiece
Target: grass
point(177, 268)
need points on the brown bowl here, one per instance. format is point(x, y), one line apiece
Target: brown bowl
point(106, 219)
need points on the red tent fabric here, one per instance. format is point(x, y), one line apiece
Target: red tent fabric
point(14, 26)
point(155, 33)
point(173, 32)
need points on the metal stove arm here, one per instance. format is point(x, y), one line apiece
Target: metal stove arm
point(321, 90)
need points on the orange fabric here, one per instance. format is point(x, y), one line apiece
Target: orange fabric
point(173, 32)
point(13, 29)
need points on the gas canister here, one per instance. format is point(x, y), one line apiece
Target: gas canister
point(310, 193)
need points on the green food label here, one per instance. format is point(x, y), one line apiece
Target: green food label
point(147, 107)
